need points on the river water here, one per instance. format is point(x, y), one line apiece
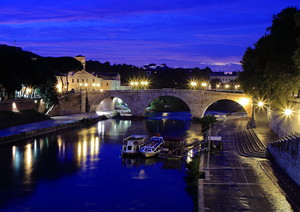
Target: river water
point(82, 170)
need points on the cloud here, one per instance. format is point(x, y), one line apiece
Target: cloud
point(181, 32)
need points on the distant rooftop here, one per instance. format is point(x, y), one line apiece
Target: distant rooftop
point(220, 73)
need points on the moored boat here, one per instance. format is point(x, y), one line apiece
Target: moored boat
point(152, 147)
point(132, 144)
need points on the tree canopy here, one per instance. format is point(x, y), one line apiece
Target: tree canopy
point(160, 77)
point(20, 67)
point(272, 66)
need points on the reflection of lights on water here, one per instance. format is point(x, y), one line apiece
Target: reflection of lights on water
point(79, 150)
point(28, 162)
point(28, 156)
point(141, 175)
point(13, 151)
point(84, 149)
point(35, 148)
point(97, 144)
point(89, 147)
point(165, 114)
point(16, 157)
point(92, 150)
point(101, 128)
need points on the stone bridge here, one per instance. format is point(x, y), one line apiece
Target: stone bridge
point(138, 100)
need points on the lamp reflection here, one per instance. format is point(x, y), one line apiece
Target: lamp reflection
point(16, 158)
point(88, 149)
point(28, 163)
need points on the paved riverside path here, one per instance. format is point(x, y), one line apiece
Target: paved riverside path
point(56, 120)
point(236, 183)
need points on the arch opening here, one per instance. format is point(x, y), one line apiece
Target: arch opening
point(168, 107)
point(225, 107)
point(110, 105)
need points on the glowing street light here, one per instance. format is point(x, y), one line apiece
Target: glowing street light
point(260, 104)
point(226, 86)
point(193, 84)
point(287, 112)
point(204, 84)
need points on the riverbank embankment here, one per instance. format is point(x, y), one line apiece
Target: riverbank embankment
point(57, 123)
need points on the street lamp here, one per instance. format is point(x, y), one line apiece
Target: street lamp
point(287, 112)
point(193, 84)
point(260, 103)
point(204, 85)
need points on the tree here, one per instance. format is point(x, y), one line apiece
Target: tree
point(269, 67)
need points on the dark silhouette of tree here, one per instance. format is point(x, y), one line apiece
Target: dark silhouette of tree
point(269, 67)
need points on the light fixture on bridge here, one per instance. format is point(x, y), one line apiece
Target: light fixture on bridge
point(193, 84)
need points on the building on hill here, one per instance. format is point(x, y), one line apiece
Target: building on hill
point(224, 77)
point(83, 80)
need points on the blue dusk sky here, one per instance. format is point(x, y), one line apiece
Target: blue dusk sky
point(180, 33)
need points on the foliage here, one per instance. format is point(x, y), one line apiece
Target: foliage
point(48, 92)
point(206, 121)
point(161, 77)
point(26, 68)
point(270, 66)
point(168, 104)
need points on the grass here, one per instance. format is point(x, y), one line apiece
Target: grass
point(10, 118)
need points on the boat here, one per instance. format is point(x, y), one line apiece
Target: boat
point(132, 144)
point(152, 147)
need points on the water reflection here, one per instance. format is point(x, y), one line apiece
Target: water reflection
point(113, 128)
point(167, 127)
point(139, 162)
point(78, 153)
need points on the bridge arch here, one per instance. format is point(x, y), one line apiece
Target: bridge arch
point(241, 104)
point(171, 104)
point(138, 100)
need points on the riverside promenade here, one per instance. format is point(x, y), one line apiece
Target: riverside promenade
point(37, 128)
point(243, 182)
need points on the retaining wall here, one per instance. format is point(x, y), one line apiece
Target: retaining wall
point(286, 153)
point(23, 104)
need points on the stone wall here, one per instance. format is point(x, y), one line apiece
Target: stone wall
point(69, 104)
point(286, 153)
point(23, 104)
point(284, 125)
